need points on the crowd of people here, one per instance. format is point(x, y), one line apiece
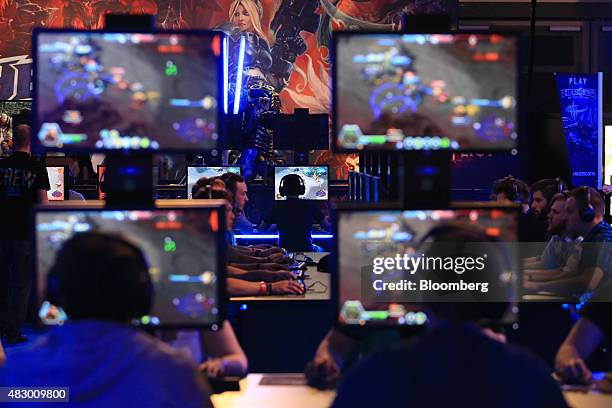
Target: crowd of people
point(576, 256)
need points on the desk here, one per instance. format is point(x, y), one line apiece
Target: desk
point(253, 395)
point(270, 328)
point(588, 400)
point(321, 281)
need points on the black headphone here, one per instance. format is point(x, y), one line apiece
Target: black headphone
point(517, 197)
point(587, 211)
point(283, 188)
point(141, 305)
point(559, 185)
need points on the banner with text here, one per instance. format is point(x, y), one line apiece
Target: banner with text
point(580, 97)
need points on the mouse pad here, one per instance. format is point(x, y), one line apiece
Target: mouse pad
point(283, 379)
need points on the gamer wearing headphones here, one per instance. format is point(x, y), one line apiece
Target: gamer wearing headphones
point(455, 363)
point(584, 207)
point(102, 282)
point(542, 193)
point(560, 258)
point(512, 190)
point(585, 213)
point(294, 217)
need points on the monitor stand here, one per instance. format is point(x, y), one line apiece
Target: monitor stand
point(425, 180)
point(129, 175)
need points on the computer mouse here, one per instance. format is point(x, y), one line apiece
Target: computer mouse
point(323, 265)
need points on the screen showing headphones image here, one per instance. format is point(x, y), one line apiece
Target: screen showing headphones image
point(314, 186)
point(181, 247)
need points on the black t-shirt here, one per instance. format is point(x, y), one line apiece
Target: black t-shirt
point(20, 178)
point(452, 366)
point(294, 219)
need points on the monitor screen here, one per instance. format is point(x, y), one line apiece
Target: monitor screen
point(315, 178)
point(396, 91)
point(182, 248)
point(194, 173)
point(57, 181)
point(369, 241)
point(98, 91)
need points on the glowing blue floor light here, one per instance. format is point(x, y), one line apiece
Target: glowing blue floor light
point(225, 72)
point(238, 89)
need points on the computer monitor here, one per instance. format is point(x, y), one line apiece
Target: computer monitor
point(101, 182)
point(315, 178)
point(370, 240)
point(395, 91)
point(183, 247)
point(58, 176)
point(106, 91)
point(194, 173)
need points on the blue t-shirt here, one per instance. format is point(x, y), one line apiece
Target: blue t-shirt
point(597, 250)
point(556, 252)
point(106, 364)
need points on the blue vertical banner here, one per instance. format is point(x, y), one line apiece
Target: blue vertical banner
point(580, 97)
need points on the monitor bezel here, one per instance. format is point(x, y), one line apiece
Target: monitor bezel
point(338, 149)
point(160, 205)
point(366, 207)
point(37, 147)
point(310, 165)
point(98, 167)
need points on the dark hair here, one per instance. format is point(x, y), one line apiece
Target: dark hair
point(498, 260)
point(213, 194)
point(513, 188)
point(231, 181)
point(201, 183)
point(549, 187)
point(21, 136)
point(231, 184)
point(583, 194)
point(100, 276)
point(203, 187)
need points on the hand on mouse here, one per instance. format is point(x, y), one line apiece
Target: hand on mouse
point(323, 371)
point(287, 287)
point(213, 368)
point(574, 370)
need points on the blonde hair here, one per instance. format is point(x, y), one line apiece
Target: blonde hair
point(253, 7)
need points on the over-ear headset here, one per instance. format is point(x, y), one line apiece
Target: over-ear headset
point(292, 180)
point(140, 303)
point(517, 197)
point(587, 211)
point(559, 185)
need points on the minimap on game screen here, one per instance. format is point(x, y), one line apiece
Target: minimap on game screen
point(194, 173)
point(372, 234)
point(316, 180)
point(425, 92)
point(179, 245)
point(101, 91)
